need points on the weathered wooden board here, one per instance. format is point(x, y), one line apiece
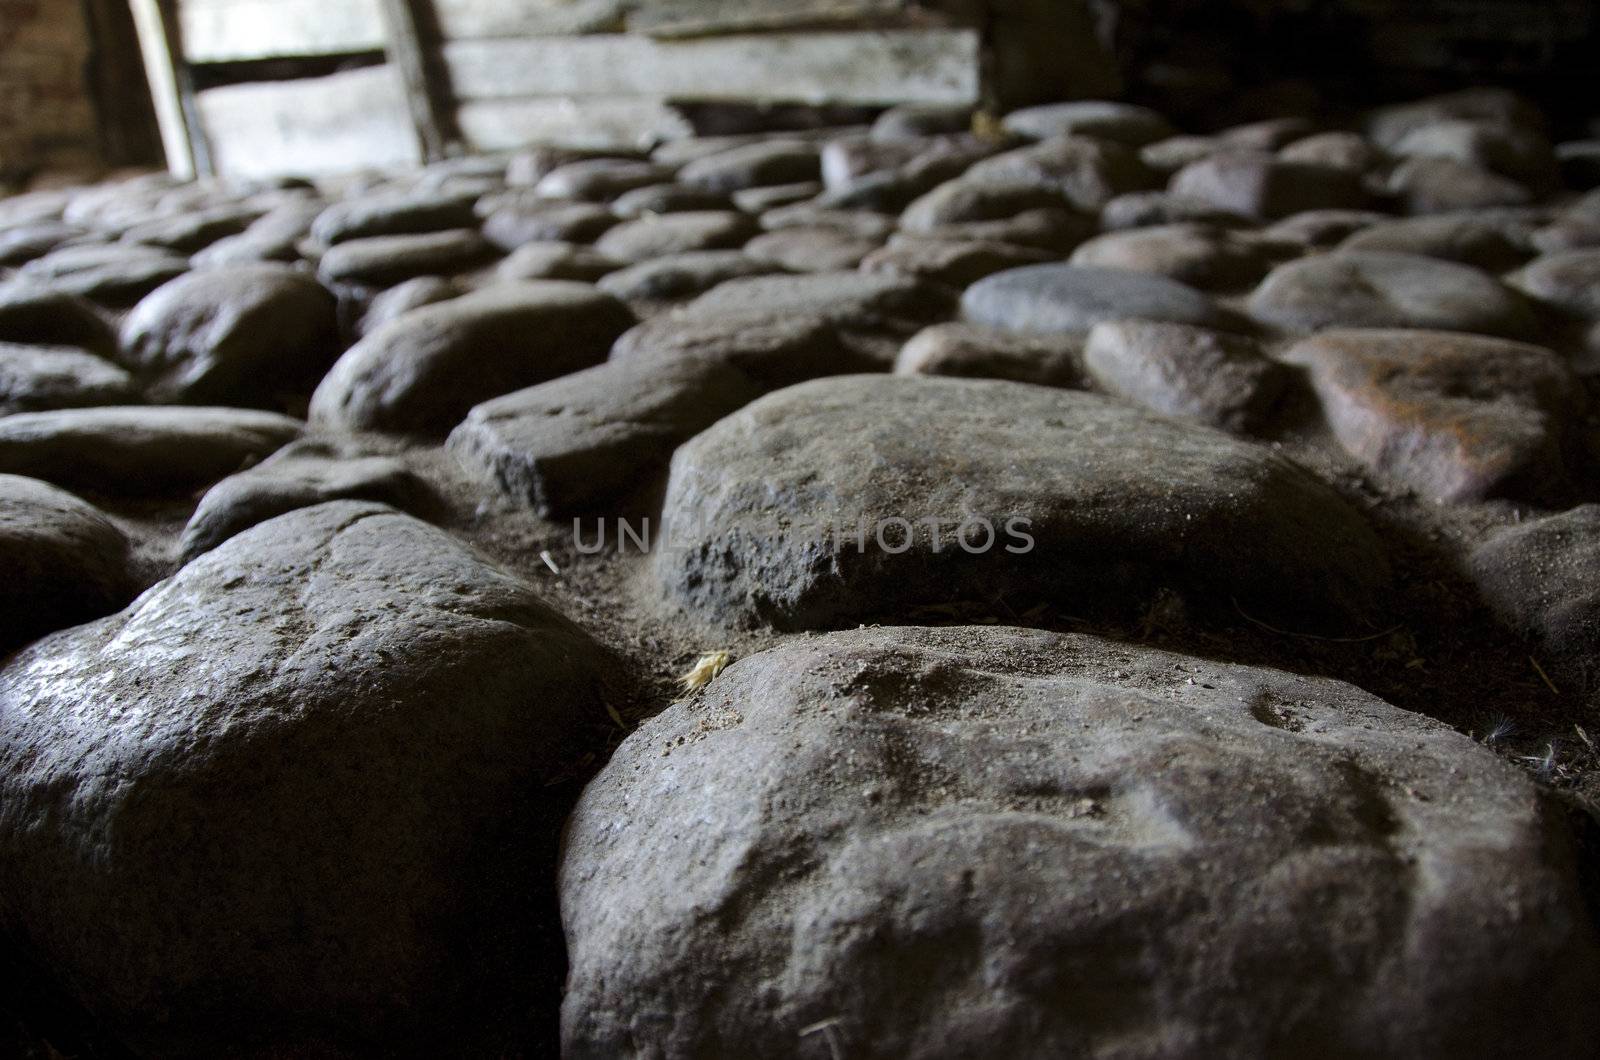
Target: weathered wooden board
point(591, 121)
point(475, 19)
point(700, 18)
point(892, 66)
point(320, 125)
point(162, 67)
point(229, 30)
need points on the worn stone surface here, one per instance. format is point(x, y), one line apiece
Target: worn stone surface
point(676, 233)
point(1569, 281)
point(114, 274)
point(579, 443)
point(40, 378)
point(1123, 122)
point(988, 353)
point(405, 296)
point(1385, 289)
point(389, 215)
point(1201, 255)
point(846, 299)
point(600, 179)
point(954, 262)
point(134, 450)
point(63, 561)
point(303, 474)
point(1071, 298)
point(810, 249)
point(1542, 578)
point(1263, 186)
point(555, 261)
point(510, 227)
point(381, 261)
point(34, 314)
point(1113, 500)
point(424, 370)
point(773, 348)
point(967, 842)
point(323, 743)
point(233, 335)
point(1193, 373)
point(754, 165)
point(685, 275)
point(1089, 173)
point(1458, 417)
point(1482, 244)
point(1444, 185)
point(668, 198)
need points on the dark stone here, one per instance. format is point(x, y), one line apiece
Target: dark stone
point(40, 378)
point(1209, 377)
point(382, 261)
point(1068, 298)
point(62, 561)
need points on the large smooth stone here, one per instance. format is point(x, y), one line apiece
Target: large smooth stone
point(1073, 298)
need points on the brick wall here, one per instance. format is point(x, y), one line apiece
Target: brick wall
point(46, 116)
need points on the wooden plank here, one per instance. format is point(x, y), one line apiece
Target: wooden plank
point(700, 18)
point(893, 66)
point(156, 39)
point(481, 19)
point(410, 34)
point(234, 30)
point(592, 121)
point(313, 126)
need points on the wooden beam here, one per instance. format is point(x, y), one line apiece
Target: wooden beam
point(171, 88)
point(590, 121)
point(410, 33)
point(234, 30)
point(887, 67)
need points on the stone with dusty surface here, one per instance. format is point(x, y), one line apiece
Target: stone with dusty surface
point(955, 262)
point(301, 776)
point(1444, 185)
point(62, 561)
point(1263, 186)
point(675, 233)
point(1002, 842)
point(381, 261)
point(600, 179)
point(987, 353)
point(576, 444)
point(39, 378)
point(682, 275)
point(1569, 281)
point(1089, 173)
point(303, 474)
point(1485, 245)
point(555, 261)
point(136, 450)
point(389, 215)
point(424, 370)
point(1116, 502)
point(1457, 417)
point(1542, 578)
point(1201, 255)
point(403, 297)
point(30, 313)
point(510, 227)
point(1071, 298)
point(668, 198)
point(114, 274)
point(1124, 122)
point(754, 165)
point(1384, 289)
point(1142, 209)
point(811, 249)
point(1192, 373)
point(847, 299)
point(232, 335)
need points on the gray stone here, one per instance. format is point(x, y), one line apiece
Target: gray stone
point(30, 313)
point(910, 842)
point(1542, 579)
point(1140, 209)
point(303, 474)
point(1568, 281)
point(1493, 106)
point(1444, 185)
point(682, 275)
point(1259, 185)
point(954, 262)
point(1200, 255)
point(600, 179)
point(391, 215)
point(577, 444)
point(668, 198)
point(1523, 154)
point(754, 165)
point(960, 201)
point(298, 778)
point(1322, 228)
point(1383, 289)
point(774, 348)
point(1088, 172)
point(811, 249)
point(113, 274)
point(555, 261)
point(20, 244)
point(135, 450)
point(1122, 122)
point(1485, 245)
point(914, 121)
point(275, 236)
point(985, 353)
point(1457, 417)
point(675, 233)
point(1069, 298)
point(62, 561)
point(192, 230)
point(1085, 499)
point(403, 297)
point(382, 261)
point(846, 299)
point(39, 378)
point(1209, 377)
point(239, 335)
point(1336, 150)
point(510, 227)
point(423, 371)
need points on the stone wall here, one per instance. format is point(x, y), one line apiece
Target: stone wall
point(46, 115)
